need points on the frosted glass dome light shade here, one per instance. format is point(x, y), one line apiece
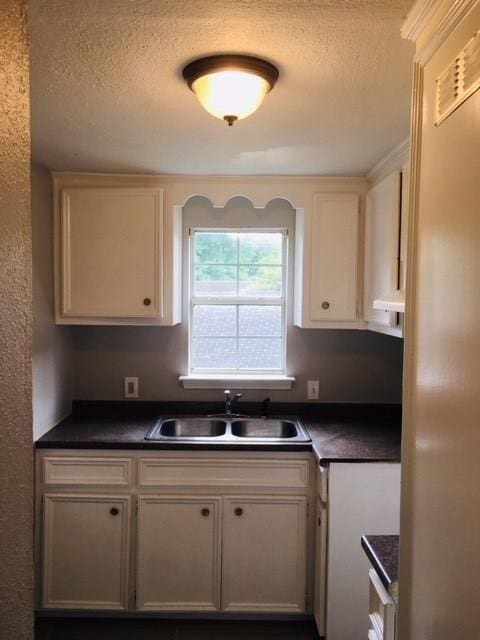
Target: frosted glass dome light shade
point(230, 87)
point(230, 93)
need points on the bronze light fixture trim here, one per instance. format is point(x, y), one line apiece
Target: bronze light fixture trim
point(231, 86)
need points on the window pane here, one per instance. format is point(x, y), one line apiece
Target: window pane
point(260, 248)
point(260, 353)
point(215, 280)
point(210, 320)
point(260, 321)
point(260, 281)
point(215, 248)
point(214, 353)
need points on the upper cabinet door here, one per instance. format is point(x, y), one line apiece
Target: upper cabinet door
point(382, 229)
point(334, 256)
point(110, 254)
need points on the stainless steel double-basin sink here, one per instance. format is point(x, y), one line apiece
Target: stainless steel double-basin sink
point(228, 429)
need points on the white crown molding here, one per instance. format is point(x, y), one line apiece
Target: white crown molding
point(181, 178)
point(418, 18)
point(394, 160)
point(420, 22)
point(260, 190)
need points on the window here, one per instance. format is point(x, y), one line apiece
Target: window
point(237, 301)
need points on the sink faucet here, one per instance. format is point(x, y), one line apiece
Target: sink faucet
point(231, 403)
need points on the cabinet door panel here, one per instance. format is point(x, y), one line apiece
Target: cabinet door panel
point(334, 238)
point(320, 566)
point(111, 253)
point(85, 551)
point(178, 562)
point(382, 247)
point(264, 554)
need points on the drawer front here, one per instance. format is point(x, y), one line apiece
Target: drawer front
point(322, 483)
point(382, 609)
point(154, 472)
point(87, 471)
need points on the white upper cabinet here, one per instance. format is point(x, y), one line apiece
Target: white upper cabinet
point(111, 263)
point(110, 255)
point(327, 243)
point(382, 246)
point(118, 245)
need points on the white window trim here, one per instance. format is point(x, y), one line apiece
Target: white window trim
point(247, 381)
point(254, 379)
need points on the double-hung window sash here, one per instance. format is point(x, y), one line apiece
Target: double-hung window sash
point(237, 301)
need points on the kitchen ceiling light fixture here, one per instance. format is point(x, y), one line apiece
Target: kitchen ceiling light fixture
point(230, 87)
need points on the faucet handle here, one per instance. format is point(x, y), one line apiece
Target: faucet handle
point(227, 394)
point(237, 396)
point(266, 408)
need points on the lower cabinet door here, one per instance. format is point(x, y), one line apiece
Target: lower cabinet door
point(85, 551)
point(264, 554)
point(178, 553)
point(320, 603)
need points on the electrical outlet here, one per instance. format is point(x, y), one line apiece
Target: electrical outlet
point(130, 387)
point(313, 389)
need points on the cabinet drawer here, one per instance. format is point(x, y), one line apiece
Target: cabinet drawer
point(87, 471)
point(382, 609)
point(155, 472)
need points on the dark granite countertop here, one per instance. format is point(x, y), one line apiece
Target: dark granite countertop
point(382, 551)
point(339, 432)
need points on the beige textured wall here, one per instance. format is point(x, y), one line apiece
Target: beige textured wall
point(52, 370)
point(16, 450)
point(352, 366)
point(440, 515)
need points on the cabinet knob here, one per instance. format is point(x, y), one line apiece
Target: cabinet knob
point(325, 304)
point(238, 511)
point(147, 302)
point(205, 512)
point(114, 511)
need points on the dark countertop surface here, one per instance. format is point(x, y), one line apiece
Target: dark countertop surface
point(339, 432)
point(382, 551)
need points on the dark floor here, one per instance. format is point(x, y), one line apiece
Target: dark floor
point(101, 629)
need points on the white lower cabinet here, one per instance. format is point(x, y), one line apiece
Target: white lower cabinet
point(85, 551)
point(382, 610)
point(178, 553)
point(362, 499)
point(260, 546)
point(231, 535)
point(264, 554)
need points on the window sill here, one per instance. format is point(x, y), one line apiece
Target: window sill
point(248, 381)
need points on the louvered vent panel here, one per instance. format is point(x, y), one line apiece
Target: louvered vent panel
point(459, 80)
point(472, 64)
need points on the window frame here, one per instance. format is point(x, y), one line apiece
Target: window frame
point(238, 301)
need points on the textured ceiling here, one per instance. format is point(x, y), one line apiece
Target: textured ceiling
point(107, 92)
